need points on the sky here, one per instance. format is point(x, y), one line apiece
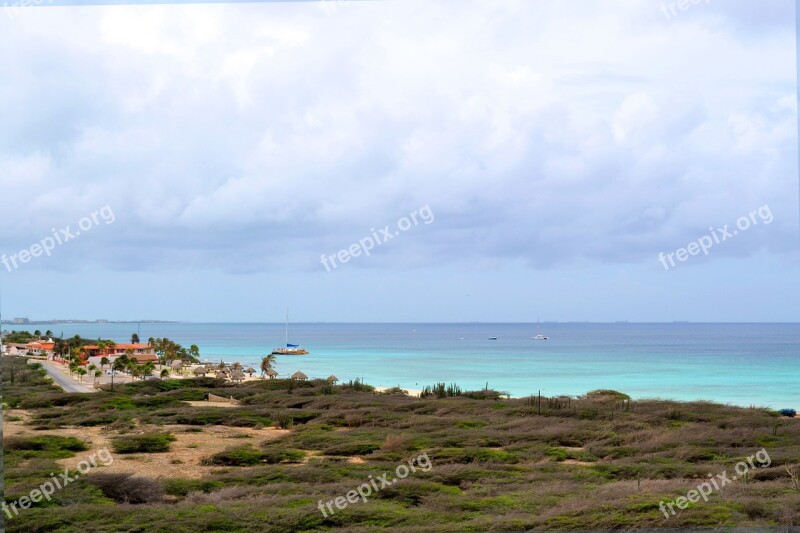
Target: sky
point(527, 160)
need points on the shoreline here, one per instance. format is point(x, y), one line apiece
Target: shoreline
point(411, 392)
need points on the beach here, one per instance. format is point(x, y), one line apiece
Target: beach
point(737, 364)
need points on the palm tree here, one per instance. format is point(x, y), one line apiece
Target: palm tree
point(97, 374)
point(134, 338)
point(119, 364)
point(81, 373)
point(164, 373)
point(48, 334)
point(266, 363)
point(104, 361)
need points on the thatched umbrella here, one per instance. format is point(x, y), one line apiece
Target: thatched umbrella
point(176, 365)
point(299, 376)
point(251, 371)
point(223, 372)
point(237, 375)
point(272, 374)
point(332, 379)
point(200, 371)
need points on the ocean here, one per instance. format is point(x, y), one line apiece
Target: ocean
point(740, 364)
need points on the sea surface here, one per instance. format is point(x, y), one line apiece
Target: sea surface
point(741, 364)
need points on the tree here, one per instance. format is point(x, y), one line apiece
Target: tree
point(48, 334)
point(37, 334)
point(164, 373)
point(194, 351)
point(97, 374)
point(266, 363)
point(81, 373)
point(118, 365)
point(104, 361)
point(134, 338)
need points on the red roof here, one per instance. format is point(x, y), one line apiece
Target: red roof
point(120, 347)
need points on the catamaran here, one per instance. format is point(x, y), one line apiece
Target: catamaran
point(290, 349)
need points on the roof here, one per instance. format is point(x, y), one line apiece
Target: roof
point(143, 357)
point(41, 345)
point(119, 347)
point(299, 375)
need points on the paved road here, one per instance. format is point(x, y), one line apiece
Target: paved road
point(61, 379)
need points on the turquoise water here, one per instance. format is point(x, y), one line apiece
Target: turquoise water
point(742, 364)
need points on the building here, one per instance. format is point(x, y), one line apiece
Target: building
point(140, 358)
point(92, 350)
point(38, 348)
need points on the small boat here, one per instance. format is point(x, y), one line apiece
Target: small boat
point(492, 338)
point(538, 336)
point(290, 349)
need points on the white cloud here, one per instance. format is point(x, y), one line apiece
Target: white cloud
point(542, 132)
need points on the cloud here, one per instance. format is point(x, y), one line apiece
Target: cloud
point(256, 137)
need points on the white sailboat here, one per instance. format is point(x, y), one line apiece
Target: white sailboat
point(289, 349)
point(539, 336)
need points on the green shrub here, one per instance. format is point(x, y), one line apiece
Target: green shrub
point(51, 446)
point(145, 443)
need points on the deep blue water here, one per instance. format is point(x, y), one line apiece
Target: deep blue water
point(742, 364)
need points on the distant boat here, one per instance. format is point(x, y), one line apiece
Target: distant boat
point(538, 336)
point(492, 338)
point(290, 349)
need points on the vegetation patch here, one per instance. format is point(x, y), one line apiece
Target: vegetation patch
point(144, 443)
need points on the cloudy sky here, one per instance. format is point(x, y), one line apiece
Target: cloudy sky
point(560, 146)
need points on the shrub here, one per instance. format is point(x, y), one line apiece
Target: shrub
point(52, 446)
point(145, 443)
point(127, 488)
point(249, 455)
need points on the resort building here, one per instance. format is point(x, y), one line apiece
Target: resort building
point(92, 350)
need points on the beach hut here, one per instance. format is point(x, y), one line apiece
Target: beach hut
point(272, 374)
point(251, 371)
point(176, 365)
point(237, 375)
point(223, 373)
point(332, 379)
point(200, 371)
point(299, 376)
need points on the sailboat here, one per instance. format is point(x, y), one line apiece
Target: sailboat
point(539, 337)
point(289, 349)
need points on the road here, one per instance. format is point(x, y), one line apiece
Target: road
point(55, 371)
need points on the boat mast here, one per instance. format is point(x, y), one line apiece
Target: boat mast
point(287, 327)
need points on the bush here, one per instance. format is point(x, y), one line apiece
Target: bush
point(145, 443)
point(127, 488)
point(52, 446)
point(248, 456)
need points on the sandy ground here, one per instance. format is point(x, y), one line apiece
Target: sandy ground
point(182, 461)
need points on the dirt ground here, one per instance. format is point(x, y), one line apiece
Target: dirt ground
point(182, 461)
